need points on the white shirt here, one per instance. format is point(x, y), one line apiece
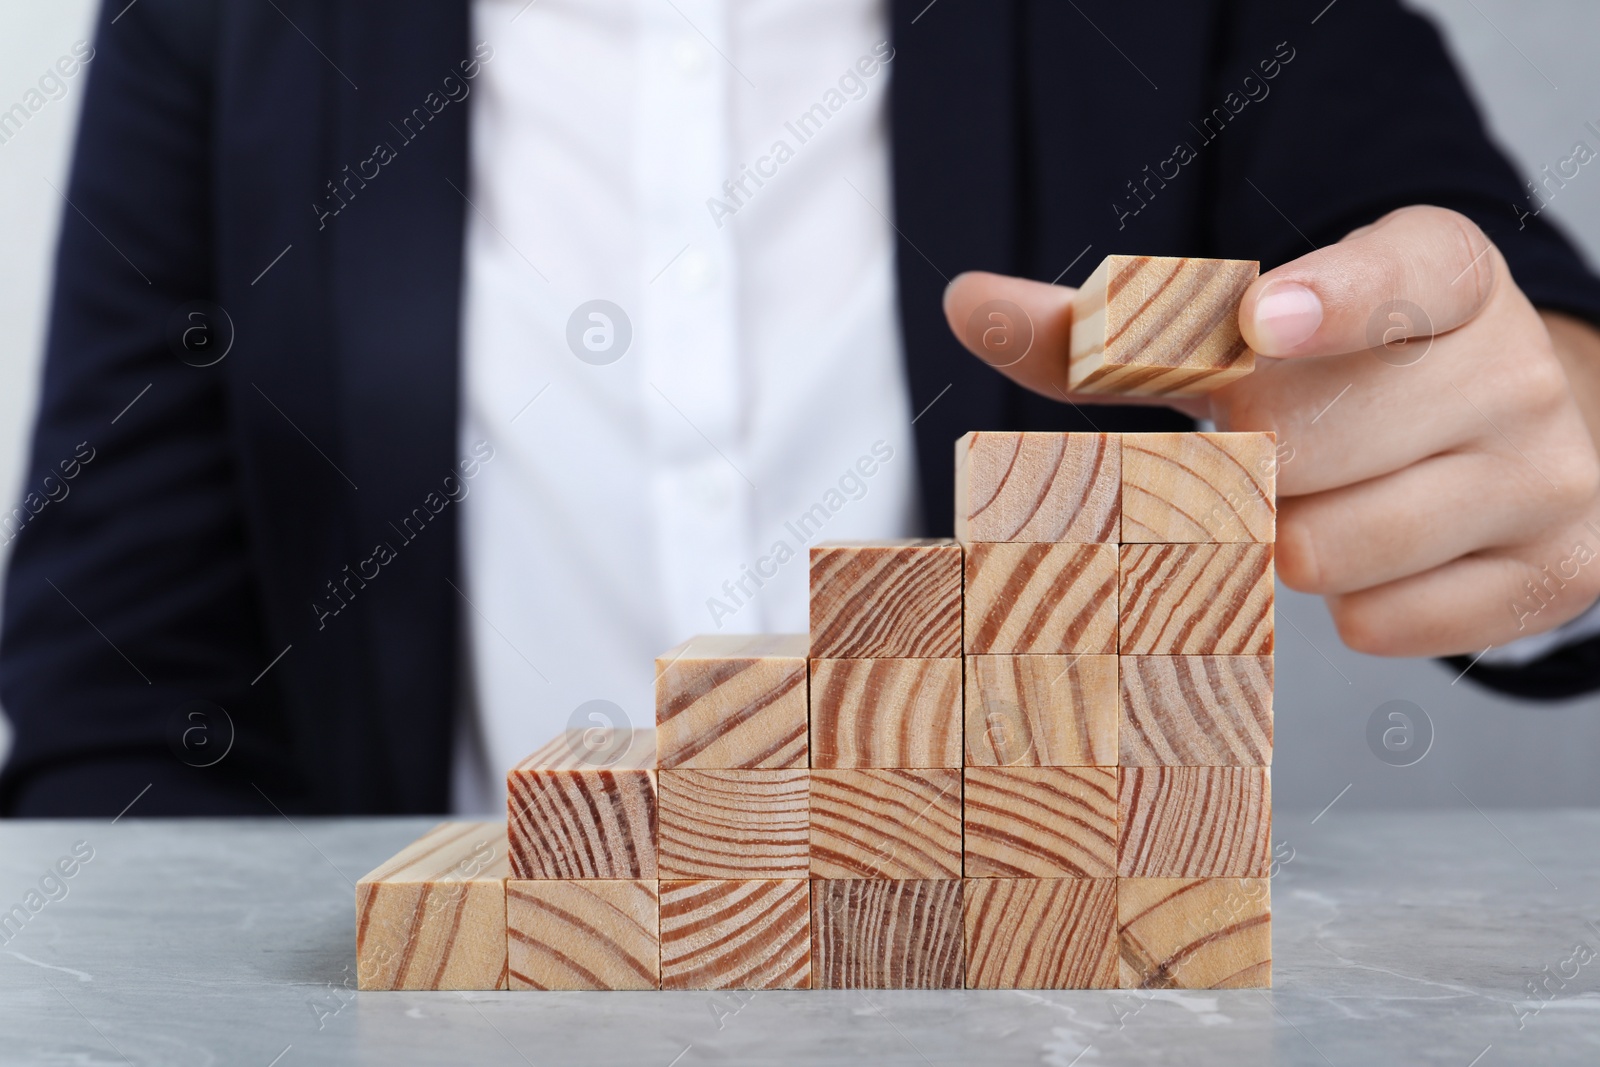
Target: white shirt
point(720, 172)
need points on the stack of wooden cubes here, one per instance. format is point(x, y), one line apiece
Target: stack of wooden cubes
point(1118, 723)
point(583, 900)
point(1033, 756)
point(735, 895)
point(886, 701)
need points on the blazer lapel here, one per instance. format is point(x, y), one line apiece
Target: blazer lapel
point(955, 138)
point(396, 273)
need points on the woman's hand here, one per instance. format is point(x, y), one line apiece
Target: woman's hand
point(1439, 484)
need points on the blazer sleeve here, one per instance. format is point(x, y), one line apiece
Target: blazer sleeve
point(1567, 672)
point(131, 628)
point(1365, 113)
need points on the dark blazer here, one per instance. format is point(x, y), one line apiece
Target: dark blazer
point(173, 574)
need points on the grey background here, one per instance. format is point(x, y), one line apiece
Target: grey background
point(1534, 70)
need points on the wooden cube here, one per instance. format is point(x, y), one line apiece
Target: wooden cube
point(1195, 933)
point(1041, 933)
point(1038, 487)
point(1159, 326)
point(734, 824)
point(1041, 711)
point(886, 713)
point(569, 820)
point(736, 934)
point(1040, 822)
point(597, 748)
point(1196, 600)
point(583, 935)
point(1179, 487)
point(886, 823)
point(1036, 598)
point(434, 916)
point(886, 599)
point(1196, 711)
point(1194, 822)
point(887, 934)
point(726, 701)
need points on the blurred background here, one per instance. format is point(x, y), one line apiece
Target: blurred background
point(1532, 67)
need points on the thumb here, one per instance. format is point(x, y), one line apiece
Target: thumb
point(1416, 272)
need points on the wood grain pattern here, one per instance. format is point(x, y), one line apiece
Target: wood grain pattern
point(889, 599)
point(433, 917)
point(1159, 326)
point(1196, 711)
point(600, 747)
point(1038, 487)
point(886, 823)
point(1040, 822)
point(736, 934)
point(581, 824)
point(887, 934)
point(1207, 933)
point(1041, 711)
point(583, 935)
point(1196, 600)
point(886, 713)
point(1041, 933)
point(1189, 487)
point(733, 701)
point(740, 824)
point(1194, 822)
point(1040, 598)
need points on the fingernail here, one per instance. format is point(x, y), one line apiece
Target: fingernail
point(1287, 315)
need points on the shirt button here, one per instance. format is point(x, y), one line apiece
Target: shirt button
point(717, 498)
point(690, 58)
point(698, 273)
point(712, 491)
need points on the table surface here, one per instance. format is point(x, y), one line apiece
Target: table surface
point(1405, 938)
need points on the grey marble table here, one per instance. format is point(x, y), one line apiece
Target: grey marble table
point(1409, 938)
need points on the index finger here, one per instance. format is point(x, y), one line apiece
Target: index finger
point(1416, 272)
point(1023, 329)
